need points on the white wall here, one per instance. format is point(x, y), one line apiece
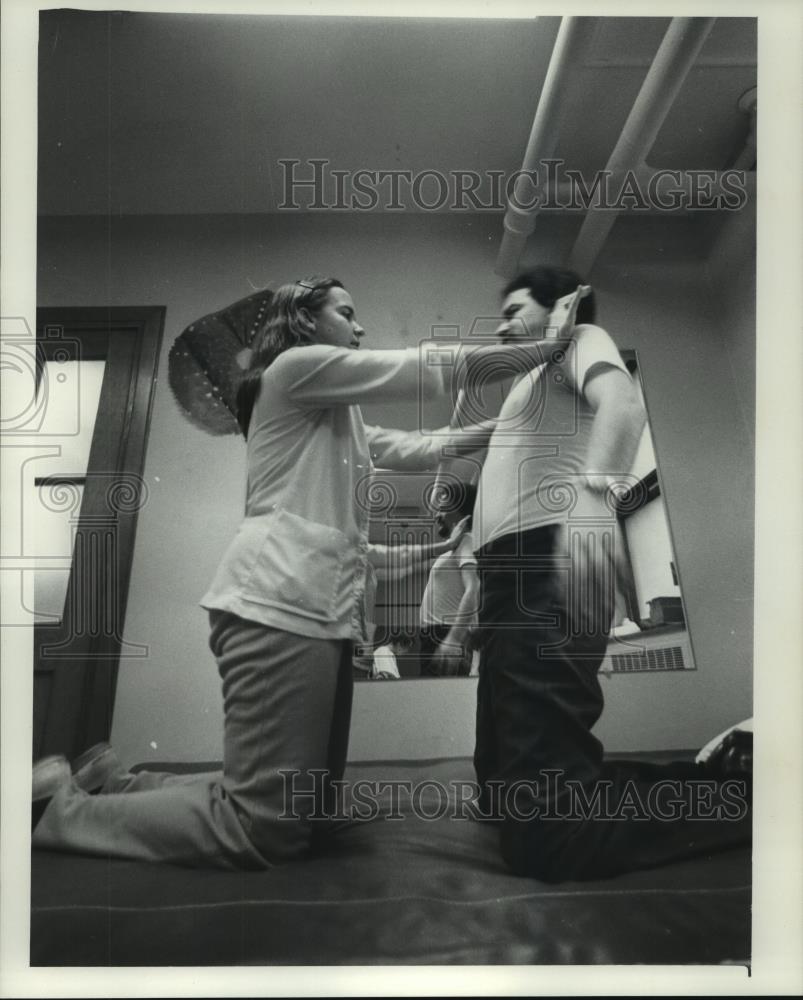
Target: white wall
point(731, 267)
point(407, 273)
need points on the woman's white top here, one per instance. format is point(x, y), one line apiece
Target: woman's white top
point(298, 560)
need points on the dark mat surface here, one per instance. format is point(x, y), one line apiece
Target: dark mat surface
point(388, 891)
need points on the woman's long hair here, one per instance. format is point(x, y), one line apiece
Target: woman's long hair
point(285, 326)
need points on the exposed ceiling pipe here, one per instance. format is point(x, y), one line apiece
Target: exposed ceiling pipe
point(519, 223)
point(676, 55)
point(748, 104)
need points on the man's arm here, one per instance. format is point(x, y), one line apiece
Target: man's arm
point(448, 656)
point(619, 420)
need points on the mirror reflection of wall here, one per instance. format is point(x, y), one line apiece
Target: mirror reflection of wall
point(649, 630)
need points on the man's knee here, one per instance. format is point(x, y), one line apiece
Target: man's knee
point(541, 849)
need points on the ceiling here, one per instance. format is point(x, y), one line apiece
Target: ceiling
point(175, 113)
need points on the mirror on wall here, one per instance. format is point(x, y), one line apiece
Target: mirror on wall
point(649, 633)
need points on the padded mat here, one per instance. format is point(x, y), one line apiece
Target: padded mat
point(402, 890)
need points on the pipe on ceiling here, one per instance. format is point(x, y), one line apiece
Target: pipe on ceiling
point(572, 38)
point(748, 105)
point(679, 49)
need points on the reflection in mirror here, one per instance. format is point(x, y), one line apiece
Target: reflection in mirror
point(649, 631)
point(401, 518)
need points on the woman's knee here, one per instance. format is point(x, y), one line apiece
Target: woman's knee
point(279, 838)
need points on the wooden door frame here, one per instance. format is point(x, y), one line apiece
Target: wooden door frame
point(84, 663)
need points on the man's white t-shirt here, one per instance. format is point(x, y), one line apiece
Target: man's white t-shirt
point(444, 590)
point(537, 453)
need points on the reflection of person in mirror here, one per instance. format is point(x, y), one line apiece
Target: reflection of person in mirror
point(544, 530)
point(449, 603)
point(392, 563)
point(385, 665)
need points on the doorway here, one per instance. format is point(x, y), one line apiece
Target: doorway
point(96, 377)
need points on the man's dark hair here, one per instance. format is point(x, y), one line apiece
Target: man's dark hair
point(547, 284)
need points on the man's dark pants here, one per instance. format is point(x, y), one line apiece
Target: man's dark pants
point(565, 813)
